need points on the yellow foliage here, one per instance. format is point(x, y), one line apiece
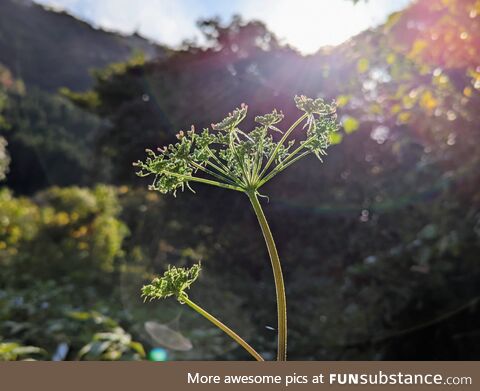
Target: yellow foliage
point(62, 218)
point(391, 58)
point(396, 108)
point(404, 117)
point(342, 100)
point(152, 196)
point(335, 138)
point(82, 246)
point(123, 189)
point(19, 219)
point(350, 124)
point(467, 91)
point(418, 47)
point(82, 231)
point(428, 101)
point(409, 100)
point(362, 65)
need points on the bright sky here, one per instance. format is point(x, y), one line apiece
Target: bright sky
point(305, 24)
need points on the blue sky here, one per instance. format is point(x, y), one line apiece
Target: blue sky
point(305, 24)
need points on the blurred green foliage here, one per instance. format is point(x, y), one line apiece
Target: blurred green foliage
point(58, 251)
point(50, 140)
point(12, 351)
point(53, 316)
point(74, 231)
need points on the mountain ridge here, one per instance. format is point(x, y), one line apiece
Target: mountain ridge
point(50, 49)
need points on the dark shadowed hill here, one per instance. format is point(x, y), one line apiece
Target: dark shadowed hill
point(51, 49)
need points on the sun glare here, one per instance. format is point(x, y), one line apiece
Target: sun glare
point(309, 25)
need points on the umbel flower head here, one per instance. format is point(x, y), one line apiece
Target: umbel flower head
point(229, 157)
point(313, 106)
point(268, 120)
point(232, 120)
point(174, 282)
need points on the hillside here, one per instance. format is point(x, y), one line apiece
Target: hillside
point(50, 49)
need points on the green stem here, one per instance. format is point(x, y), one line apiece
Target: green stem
point(212, 173)
point(214, 166)
point(240, 161)
point(280, 143)
point(278, 276)
point(282, 166)
point(189, 178)
point(258, 160)
point(223, 168)
point(295, 152)
point(184, 299)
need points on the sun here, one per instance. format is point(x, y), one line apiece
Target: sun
point(309, 25)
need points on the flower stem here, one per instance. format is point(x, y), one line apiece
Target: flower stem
point(212, 173)
point(280, 143)
point(282, 166)
point(278, 276)
point(223, 327)
point(189, 178)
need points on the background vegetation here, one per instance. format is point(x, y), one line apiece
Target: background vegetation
point(380, 244)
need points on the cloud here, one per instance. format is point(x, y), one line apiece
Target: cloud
point(165, 21)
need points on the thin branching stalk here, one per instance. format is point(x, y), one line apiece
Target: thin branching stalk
point(241, 161)
point(174, 282)
point(212, 173)
point(281, 142)
point(227, 330)
point(281, 167)
point(205, 181)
